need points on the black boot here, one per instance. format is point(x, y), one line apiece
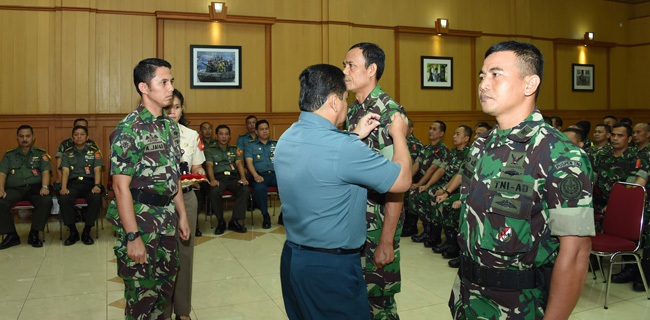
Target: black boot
point(454, 263)
point(453, 251)
point(424, 235)
point(266, 223)
point(85, 236)
point(235, 226)
point(12, 239)
point(434, 238)
point(410, 225)
point(221, 227)
point(628, 274)
point(34, 239)
point(443, 247)
point(280, 221)
point(74, 236)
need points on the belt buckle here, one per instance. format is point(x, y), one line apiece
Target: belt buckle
point(80, 178)
point(227, 173)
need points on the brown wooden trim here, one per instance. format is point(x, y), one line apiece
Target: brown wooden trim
point(185, 16)
point(640, 17)
point(350, 24)
point(635, 45)
point(472, 68)
point(504, 35)
point(554, 76)
point(397, 69)
point(601, 44)
point(268, 72)
point(160, 38)
point(607, 72)
point(289, 21)
point(21, 8)
point(452, 32)
point(250, 19)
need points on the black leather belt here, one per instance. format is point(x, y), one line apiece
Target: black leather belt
point(497, 278)
point(376, 197)
point(187, 189)
point(143, 197)
point(332, 251)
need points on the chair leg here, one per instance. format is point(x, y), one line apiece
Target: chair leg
point(645, 284)
point(609, 280)
point(602, 272)
point(592, 269)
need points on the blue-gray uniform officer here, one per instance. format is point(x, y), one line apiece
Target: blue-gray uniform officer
point(324, 198)
point(259, 161)
point(244, 139)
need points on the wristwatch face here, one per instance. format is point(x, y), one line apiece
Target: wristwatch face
point(132, 236)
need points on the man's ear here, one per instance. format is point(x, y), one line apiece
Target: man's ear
point(143, 87)
point(372, 69)
point(532, 83)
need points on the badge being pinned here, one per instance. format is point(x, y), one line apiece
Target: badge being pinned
point(505, 234)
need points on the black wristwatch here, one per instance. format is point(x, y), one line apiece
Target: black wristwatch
point(131, 236)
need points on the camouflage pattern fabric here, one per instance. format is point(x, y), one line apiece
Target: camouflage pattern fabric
point(68, 143)
point(593, 150)
point(147, 287)
point(454, 160)
point(415, 147)
point(431, 154)
point(609, 170)
point(521, 189)
point(384, 282)
point(147, 148)
point(642, 168)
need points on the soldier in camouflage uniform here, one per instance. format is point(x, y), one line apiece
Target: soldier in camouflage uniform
point(431, 159)
point(144, 164)
point(205, 130)
point(526, 197)
point(449, 216)
point(364, 65)
point(24, 175)
point(81, 166)
point(602, 133)
point(410, 212)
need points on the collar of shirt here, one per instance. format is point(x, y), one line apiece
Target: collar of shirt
point(372, 95)
point(316, 120)
point(524, 131)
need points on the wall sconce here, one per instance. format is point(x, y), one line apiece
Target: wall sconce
point(217, 11)
point(589, 38)
point(442, 26)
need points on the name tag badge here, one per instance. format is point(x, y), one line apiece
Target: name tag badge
point(154, 147)
point(35, 172)
point(87, 170)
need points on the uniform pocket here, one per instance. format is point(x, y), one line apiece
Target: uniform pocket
point(507, 228)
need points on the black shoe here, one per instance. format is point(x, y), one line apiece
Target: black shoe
point(221, 228)
point(34, 239)
point(410, 225)
point(86, 238)
point(266, 223)
point(441, 247)
point(454, 263)
point(198, 233)
point(638, 285)
point(12, 239)
point(235, 226)
point(628, 274)
point(422, 236)
point(179, 317)
point(280, 221)
point(73, 238)
point(451, 254)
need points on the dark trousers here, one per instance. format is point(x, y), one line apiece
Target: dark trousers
point(240, 192)
point(317, 285)
point(80, 189)
point(42, 207)
point(261, 190)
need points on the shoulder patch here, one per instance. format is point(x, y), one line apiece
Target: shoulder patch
point(570, 188)
point(567, 164)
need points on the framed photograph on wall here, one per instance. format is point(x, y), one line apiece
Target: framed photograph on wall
point(215, 67)
point(437, 72)
point(583, 77)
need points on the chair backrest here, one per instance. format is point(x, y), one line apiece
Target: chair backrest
point(624, 214)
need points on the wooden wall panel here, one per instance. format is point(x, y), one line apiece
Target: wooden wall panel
point(385, 39)
point(581, 100)
point(637, 84)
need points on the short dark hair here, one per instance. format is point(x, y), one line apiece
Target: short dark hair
point(626, 120)
point(204, 122)
point(221, 126)
point(260, 122)
point(529, 59)
point(373, 54)
point(23, 127)
point(579, 132)
point(146, 70)
point(483, 125)
point(610, 116)
point(317, 83)
point(251, 117)
point(180, 97)
point(443, 126)
point(74, 123)
point(606, 126)
point(646, 126)
point(79, 127)
point(468, 131)
point(558, 121)
point(585, 125)
point(624, 125)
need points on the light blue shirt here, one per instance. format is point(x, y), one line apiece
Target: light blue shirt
point(262, 154)
point(243, 140)
point(322, 173)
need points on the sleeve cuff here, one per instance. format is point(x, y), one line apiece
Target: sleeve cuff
point(572, 222)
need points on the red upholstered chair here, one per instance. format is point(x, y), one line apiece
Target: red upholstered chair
point(28, 205)
point(226, 195)
point(622, 228)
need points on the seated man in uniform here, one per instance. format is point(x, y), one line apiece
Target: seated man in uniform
point(244, 139)
point(67, 143)
point(226, 172)
point(82, 166)
point(205, 131)
point(259, 160)
point(24, 175)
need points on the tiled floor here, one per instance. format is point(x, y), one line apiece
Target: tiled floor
point(236, 276)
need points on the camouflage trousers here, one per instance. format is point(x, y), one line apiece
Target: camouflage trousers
point(471, 301)
point(434, 215)
point(418, 203)
point(382, 283)
point(449, 215)
point(147, 287)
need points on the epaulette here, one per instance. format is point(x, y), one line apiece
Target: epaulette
point(39, 149)
point(68, 149)
point(93, 147)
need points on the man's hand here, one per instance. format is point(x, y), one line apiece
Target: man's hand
point(64, 191)
point(414, 186)
point(243, 182)
point(136, 251)
point(367, 124)
point(214, 183)
point(3, 194)
point(44, 191)
point(96, 190)
point(398, 125)
point(456, 204)
point(184, 229)
point(259, 179)
point(441, 198)
point(384, 254)
point(422, 189)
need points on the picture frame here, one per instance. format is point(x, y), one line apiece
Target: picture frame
point(215, 67)
point(583, 77)
point(437, 72)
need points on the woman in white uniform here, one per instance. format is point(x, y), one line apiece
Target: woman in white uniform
point(191, 162)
